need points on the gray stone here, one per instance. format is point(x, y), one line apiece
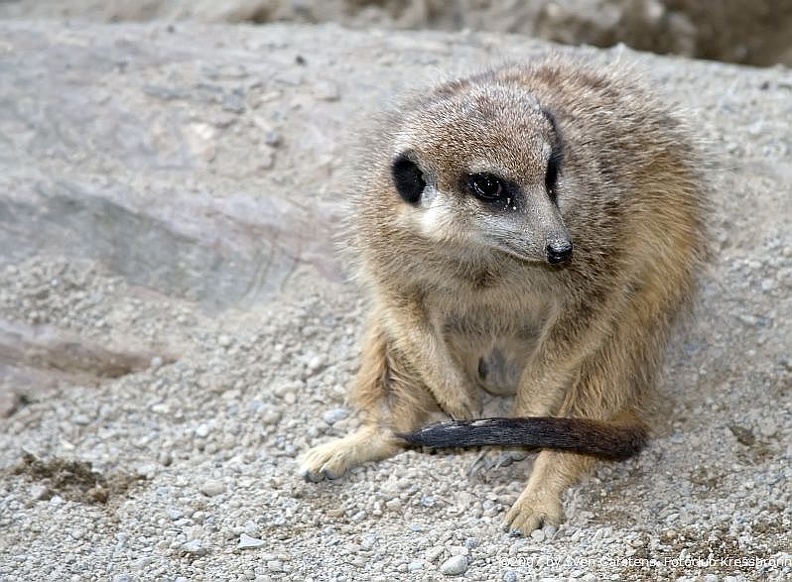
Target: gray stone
point(213, 488)
point(194, 547)
point(455, 565)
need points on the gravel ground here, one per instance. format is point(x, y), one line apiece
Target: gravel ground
point(186, 470)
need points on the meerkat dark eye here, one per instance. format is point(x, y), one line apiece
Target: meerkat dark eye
point(408, 179)
point(551, 175)
point(486, 187)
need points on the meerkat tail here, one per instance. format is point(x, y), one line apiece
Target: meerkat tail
point(609, 440)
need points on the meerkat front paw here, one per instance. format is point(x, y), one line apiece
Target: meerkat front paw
point(333, 459)
point(533, 510)
point(327, 461)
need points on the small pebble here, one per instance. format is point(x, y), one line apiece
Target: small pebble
point(38, 490)
point(428, 500)
point(335, 415)
point(315, 363)
point(212, 488)
point(415, 565)
point(252, 529)
point(193, 547)
point(247, 542)
point(81, 419)
point(368, 541)
point(432, 554)
point(455, 565)
point(275, 566)
point(174, 513)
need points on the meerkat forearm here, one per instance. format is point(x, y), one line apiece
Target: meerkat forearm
point(414, 336)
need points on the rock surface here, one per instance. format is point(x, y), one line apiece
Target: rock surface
point(755, 32)
point(179, 185)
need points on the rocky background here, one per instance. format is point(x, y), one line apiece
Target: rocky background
point(758, 32)
point(175, 327)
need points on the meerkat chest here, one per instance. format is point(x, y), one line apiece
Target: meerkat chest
point(492, 344)
point(489, 317)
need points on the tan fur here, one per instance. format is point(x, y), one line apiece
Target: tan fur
point(453, 281)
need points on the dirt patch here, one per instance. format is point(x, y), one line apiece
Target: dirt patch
point(74, 480)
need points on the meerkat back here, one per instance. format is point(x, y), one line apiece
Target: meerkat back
point(532, 230)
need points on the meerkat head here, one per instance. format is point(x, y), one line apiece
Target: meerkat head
point(479, 165)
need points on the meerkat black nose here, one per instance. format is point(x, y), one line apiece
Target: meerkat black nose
point(559, 252)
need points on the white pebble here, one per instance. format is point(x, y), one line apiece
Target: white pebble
point(248, 542)
point(212, 488)
point(433, 553)
point(251, 528)
point(335, 415)
point(174, 513)
point(193, 547)
point(455, 565)
point(315, 363)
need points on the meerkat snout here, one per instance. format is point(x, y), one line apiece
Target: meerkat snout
point(559, 251)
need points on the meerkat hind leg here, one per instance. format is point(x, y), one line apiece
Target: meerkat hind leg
point(540, 502)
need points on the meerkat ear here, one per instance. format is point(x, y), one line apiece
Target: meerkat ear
point(555, 160)
point(408, 179)
point(551, 175)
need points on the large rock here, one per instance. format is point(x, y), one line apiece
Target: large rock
point(171, 168)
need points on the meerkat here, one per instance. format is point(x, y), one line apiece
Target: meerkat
point(532, 230)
